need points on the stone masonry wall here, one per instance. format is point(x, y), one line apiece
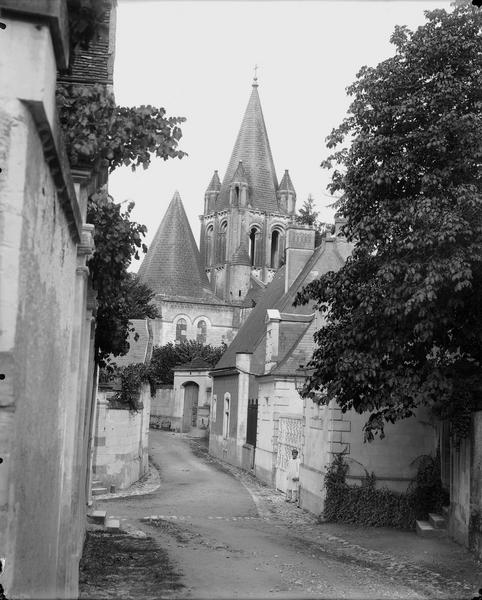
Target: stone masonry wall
point(121, 442)
point(45, 325)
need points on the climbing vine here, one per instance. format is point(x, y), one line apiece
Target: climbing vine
point(120, 295)
point(99, 133)
point(370, 505)
point(132, 377)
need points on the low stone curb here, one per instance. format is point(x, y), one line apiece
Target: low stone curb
point(150, 484)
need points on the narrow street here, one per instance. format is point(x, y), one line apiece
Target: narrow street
point(221, 534)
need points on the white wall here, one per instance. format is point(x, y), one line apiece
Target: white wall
point(121, 442)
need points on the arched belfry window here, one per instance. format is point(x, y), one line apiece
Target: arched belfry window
point(277, 248)
point(181, 330)
point(201, 332)
point(223, 230)
point(209, 245)
point(255, 246)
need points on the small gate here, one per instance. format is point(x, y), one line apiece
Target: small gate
point(252, 425)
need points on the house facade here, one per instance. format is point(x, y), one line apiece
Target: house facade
point(261, 368)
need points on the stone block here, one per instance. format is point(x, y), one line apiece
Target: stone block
point(337, 447)
point(112, 524)
point(437, 521)
point(99, 441)
point(340, 426)
point(424, 529)
point(98, 516)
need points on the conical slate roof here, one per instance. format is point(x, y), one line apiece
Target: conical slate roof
point(252, 147)
point(214, 184)
point(172, 265)
point(286, 183)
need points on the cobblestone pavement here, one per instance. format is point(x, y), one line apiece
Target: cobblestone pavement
point(276, 549)
point(453, 572)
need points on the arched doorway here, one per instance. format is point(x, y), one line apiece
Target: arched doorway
point(191, 399)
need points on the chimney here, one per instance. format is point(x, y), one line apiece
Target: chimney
point(300, 244)
point(272, 321)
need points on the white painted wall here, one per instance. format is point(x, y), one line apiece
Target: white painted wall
point(121, 442)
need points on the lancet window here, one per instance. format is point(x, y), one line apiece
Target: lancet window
point(181, 330)
point(209, 245)
point(255, 246)
point(201, 332)
point(222, 242)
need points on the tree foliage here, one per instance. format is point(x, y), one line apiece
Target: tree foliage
point(86, 19)
point(97, 132)
point(404, 324)
point(120, 296)
point(307, 215)
point(165, 358)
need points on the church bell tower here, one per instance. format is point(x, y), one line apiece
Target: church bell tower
point(243, 227)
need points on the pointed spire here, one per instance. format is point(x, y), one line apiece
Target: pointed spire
point(172, 265)
point(252, 147)
point(240, 174)
point(255, 78)
point(286, 183)
point(214, 184)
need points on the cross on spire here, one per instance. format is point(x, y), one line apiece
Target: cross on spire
point(255, 79)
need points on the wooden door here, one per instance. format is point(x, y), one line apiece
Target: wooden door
point(191, 395)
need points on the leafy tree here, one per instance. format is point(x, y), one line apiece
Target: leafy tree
point(307, 213)
point(99, 133)
point(120, 296)
point(404, 324)
point(309, 216)
point(165, 358)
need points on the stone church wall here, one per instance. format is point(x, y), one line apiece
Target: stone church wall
point(219, 320)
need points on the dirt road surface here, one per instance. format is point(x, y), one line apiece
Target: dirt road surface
point(213, 531)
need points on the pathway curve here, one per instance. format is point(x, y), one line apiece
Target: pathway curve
point(229, 536)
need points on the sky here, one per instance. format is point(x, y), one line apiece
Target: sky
point(196, 59)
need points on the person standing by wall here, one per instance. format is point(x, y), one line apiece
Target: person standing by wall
point(293, 477)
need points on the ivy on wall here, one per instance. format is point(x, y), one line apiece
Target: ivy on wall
point(100, 134)
point(372, 506)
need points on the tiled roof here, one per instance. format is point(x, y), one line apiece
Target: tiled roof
point(214, 184)
point(330, 256)
point(300, 351)
point(286, 183)
point(252, 147)
point(253, 328)
point(196, 364)
point(172, 265)
point(94, 65)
